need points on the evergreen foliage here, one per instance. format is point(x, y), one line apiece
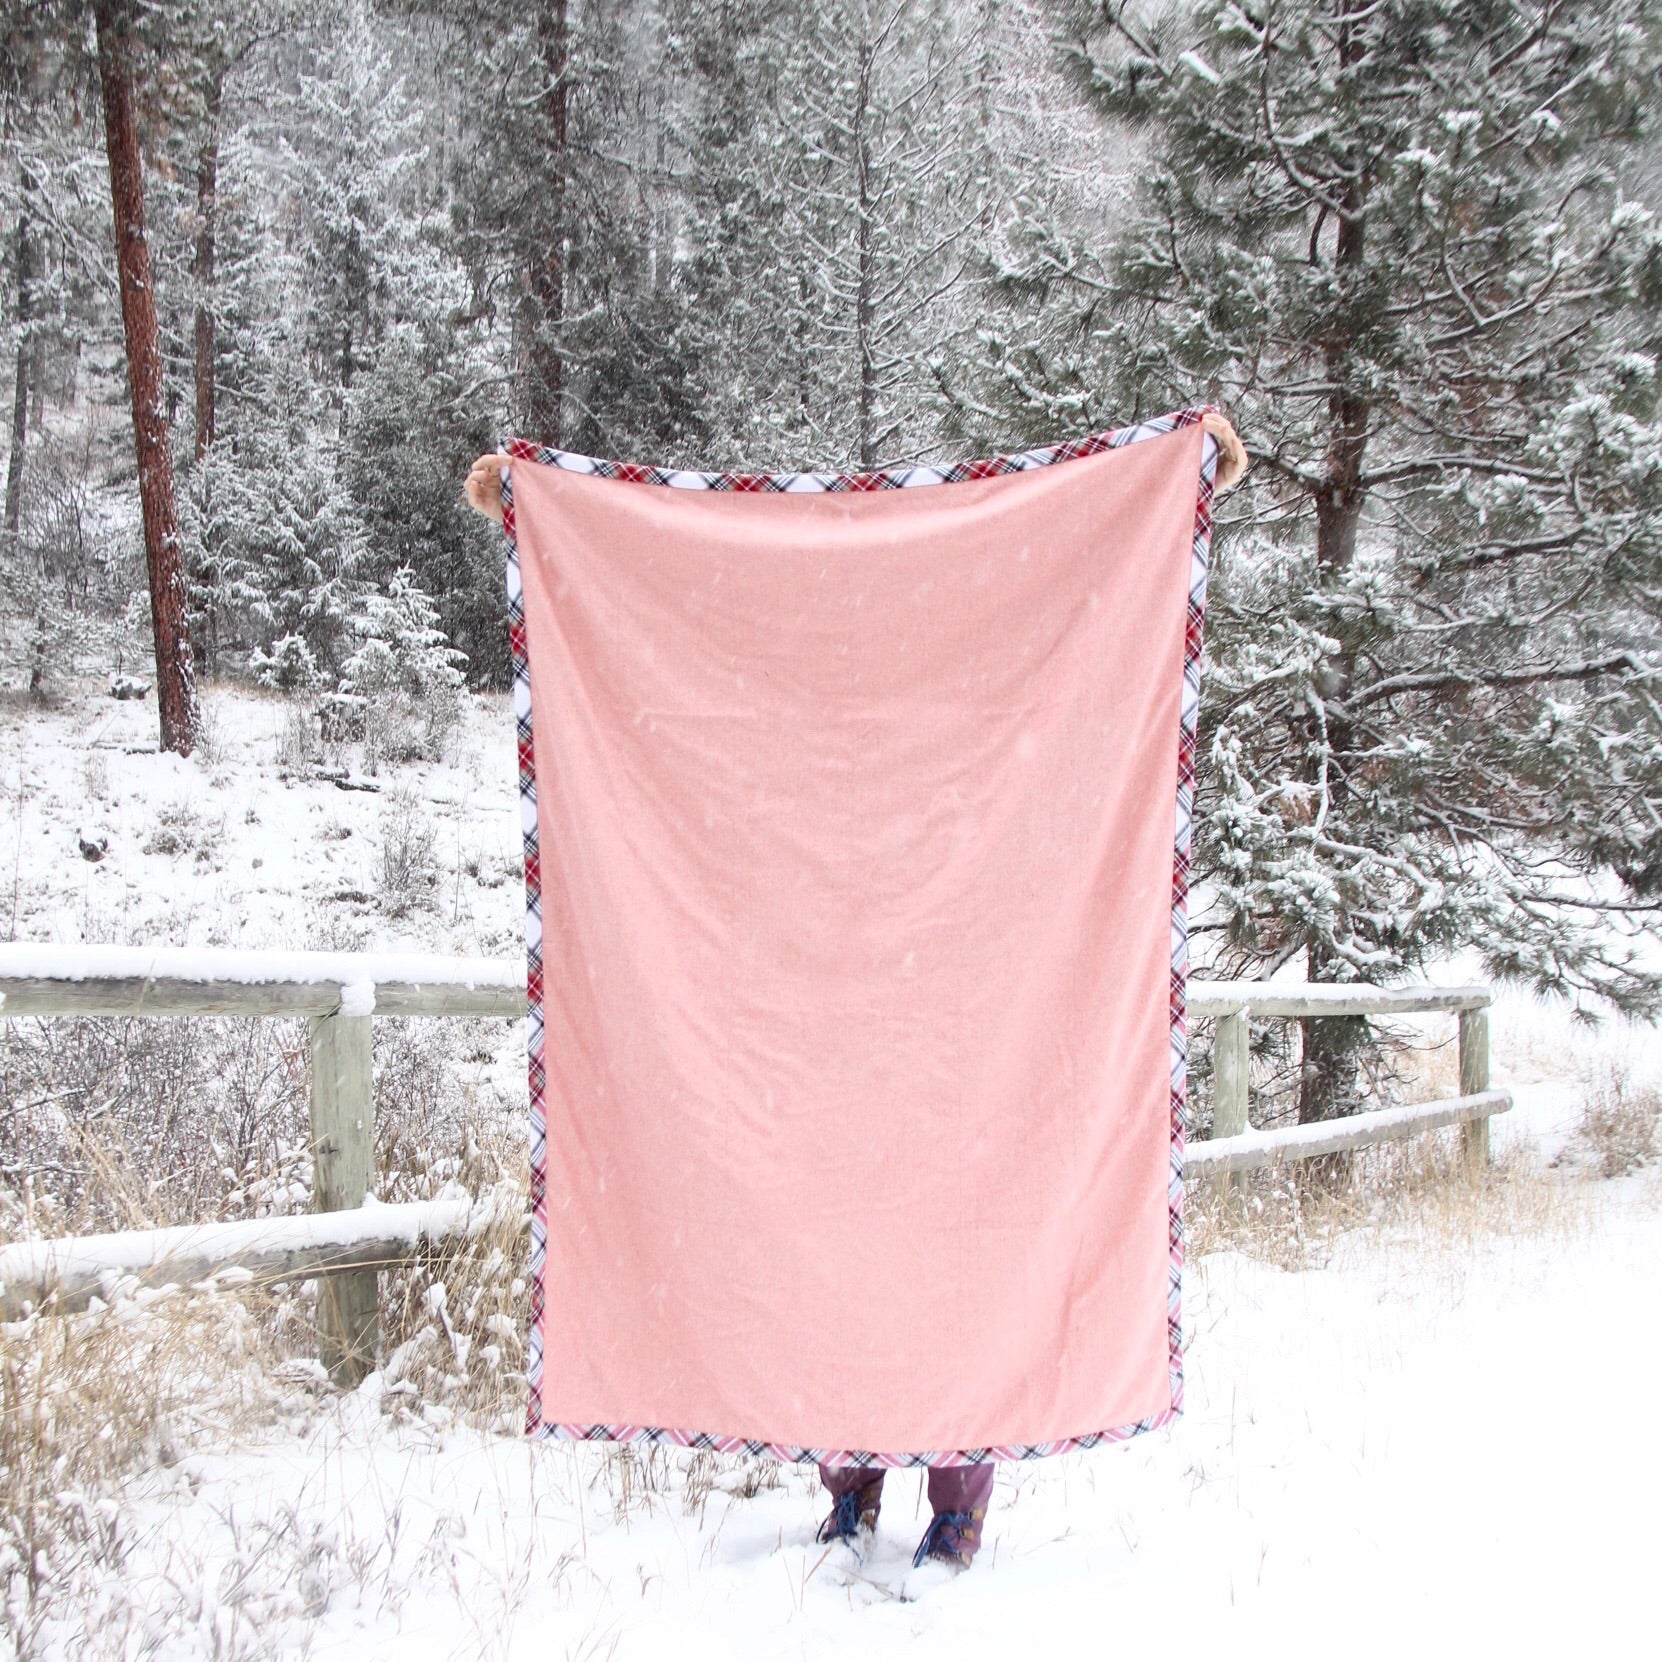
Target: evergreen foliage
point(1407, 245)
point(400, 690)
point(1392, 241)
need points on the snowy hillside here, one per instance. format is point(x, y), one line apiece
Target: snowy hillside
point(255, 840)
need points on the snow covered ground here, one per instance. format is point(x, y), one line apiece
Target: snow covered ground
point(1433, 1431)
point(1437, 1444)
point(252, 842)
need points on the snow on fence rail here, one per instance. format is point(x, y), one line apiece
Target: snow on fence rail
point(349, 1235)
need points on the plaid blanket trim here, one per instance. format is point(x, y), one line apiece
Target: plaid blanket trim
point(895, 478)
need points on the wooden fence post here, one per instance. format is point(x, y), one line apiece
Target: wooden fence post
point(343, 1153)
point(1474, 1077)
point(1231, 1070)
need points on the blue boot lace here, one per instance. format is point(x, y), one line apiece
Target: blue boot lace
point(944, 1538)
point(844, 1522)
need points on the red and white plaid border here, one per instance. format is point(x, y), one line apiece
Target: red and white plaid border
point(897, 478)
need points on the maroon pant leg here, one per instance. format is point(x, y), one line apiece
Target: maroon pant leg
point(840, 1479)
point(960, 1488)
point(951, 1488)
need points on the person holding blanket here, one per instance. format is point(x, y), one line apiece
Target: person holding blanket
point(958, 1495)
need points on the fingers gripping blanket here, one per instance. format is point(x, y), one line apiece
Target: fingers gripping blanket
point(856, 840)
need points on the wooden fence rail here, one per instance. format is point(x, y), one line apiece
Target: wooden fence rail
point(341, 993)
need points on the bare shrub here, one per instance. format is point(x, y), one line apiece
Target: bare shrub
point(95, 776)
point(141, 1122)
point(181, 830)
point(1621, 1121)
point(407, 875)
point(299, 743)
point(212, 749)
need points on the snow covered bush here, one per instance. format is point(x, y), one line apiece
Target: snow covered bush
point(289, 667)
point(36, 634)
point(400, 691)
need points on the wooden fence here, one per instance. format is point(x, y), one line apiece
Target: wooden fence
point(349, 1236)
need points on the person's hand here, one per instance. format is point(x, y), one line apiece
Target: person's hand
point(483, 485)
point(1232, 457)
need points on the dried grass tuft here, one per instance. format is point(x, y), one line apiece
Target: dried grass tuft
point(1422, 1188)
point(86, 1401)
point(1620, 1128)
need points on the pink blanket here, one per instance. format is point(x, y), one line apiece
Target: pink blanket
point(856, 929)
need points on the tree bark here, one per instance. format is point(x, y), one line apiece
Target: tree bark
point(175, 670)
point(1332, 1045)
point(20, 388)
point(207, 207)
point(545, 368)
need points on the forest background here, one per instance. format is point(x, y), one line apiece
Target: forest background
point(1407, 245)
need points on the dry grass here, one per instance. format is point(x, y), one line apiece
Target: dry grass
point(453, 1319)
point(87, 1401)
point(1621, 1121)
point(1421, 1188)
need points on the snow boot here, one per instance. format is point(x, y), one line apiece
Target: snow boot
point(854, 1516)
point(948, 1547)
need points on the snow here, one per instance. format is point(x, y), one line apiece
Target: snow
point(240, 847)
point(1411, 1440)
point(1248, 1148)
point(1210, 998)
point(357, 996)
point(1420, 1432)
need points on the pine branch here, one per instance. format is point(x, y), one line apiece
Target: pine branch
point(1452, 680)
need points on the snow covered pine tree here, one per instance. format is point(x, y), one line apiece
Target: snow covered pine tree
point(842, 176)
point(1392, 240)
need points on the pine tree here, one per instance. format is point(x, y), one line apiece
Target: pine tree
point(400, 691)
point(841, 178)
point(559, 215)
point(54, 237)
point(345, 347)
point(1389, 239)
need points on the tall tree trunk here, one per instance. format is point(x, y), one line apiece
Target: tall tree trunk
point(204, 625)
point(20, 387)
point(175, 671)
point(1332, 1045)
point(348, 367)
point(37, 382)
point(865, 304)
point(545, 369)
point(207, 207)
point(663, 223)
